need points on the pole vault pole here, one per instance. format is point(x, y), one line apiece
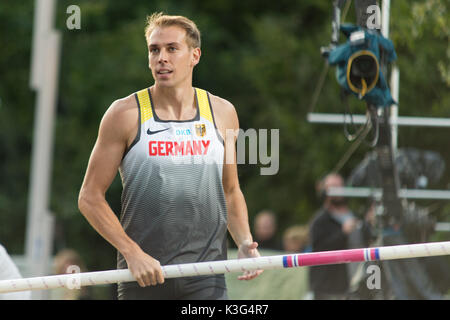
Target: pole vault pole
point(77, 280)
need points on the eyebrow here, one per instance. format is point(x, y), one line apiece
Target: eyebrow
point(154, 45)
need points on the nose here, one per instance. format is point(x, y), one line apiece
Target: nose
point(162, 56)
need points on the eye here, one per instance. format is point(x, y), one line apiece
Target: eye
point(172, 49)
point(154, 50)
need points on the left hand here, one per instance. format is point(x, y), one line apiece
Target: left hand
point(248, 250)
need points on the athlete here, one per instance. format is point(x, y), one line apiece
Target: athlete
point(169, 143)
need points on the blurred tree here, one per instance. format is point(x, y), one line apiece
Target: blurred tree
point(263, 56)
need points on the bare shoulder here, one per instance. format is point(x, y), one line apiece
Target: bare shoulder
point(224, 112)
point(121, 118)
point(122, 108)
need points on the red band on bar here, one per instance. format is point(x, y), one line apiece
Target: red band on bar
point(332, 257)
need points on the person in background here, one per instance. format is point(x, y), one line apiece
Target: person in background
point(330, 229)
point(265, 227)
point(296, 239)
point(69, 261)
point(9, 270)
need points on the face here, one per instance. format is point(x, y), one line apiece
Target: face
point(171, 60)
point(264, 227)
point(335, 181)
point(292, 245)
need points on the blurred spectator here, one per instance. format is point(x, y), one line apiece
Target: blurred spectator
point(363, 236)
point(295, 239)
point(330, 229)
point(8, 270)
point(265, 227)
point(65, 259)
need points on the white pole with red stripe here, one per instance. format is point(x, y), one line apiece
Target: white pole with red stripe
point(78, 280)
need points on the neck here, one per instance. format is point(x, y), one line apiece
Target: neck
point(175, 101)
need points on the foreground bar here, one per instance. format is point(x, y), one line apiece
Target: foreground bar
point(77, 280)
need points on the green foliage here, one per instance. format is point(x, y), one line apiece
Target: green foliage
point(263, 56)
point(16, 120)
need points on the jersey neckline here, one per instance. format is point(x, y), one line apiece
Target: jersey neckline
point(157, 119)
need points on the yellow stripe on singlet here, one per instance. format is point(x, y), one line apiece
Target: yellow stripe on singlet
point(203, 105)
point(145, 104)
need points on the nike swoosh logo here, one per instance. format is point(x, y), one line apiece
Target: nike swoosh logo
point(149, 132)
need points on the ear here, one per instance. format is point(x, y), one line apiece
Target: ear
point(196, 54)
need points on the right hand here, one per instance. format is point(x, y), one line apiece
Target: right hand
point(349, 225)
point(144, 268)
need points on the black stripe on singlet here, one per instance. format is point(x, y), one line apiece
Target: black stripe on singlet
point(138, 135)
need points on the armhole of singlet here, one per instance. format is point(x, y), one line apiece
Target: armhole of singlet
point(138, 134)
point(214, 120)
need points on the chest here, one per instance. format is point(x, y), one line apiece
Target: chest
point(180, 141)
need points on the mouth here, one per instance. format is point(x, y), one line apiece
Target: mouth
point(164, 72)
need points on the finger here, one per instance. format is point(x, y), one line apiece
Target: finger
point(146, 279)
point(242, 277)
point(157, 274)
point(140, 280)
point(251, 247)
point(249, 275)
point(137, 276)
point(253, 253)
point(160, 277)
point(257, 273)
point(246, 277)
point(254, 245)
point(152, 278)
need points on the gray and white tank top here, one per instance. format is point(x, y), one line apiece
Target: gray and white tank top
point(173, 203)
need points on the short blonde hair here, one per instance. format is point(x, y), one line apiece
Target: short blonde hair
point(159, 19)
point(297, 233)
point(66, 258)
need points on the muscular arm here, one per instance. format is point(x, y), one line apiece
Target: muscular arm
point(116, 128)
point(238, 224)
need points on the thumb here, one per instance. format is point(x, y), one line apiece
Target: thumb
point(251, 249)
point(249, 245)
point(253, 245)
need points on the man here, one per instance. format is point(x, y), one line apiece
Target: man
point(65, 259)
point(329, 230)
point(265, 228)
point(296, 239)
point(179, 197)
